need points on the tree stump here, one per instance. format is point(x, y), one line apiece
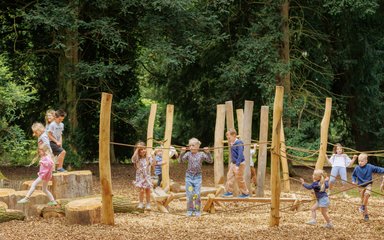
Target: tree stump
point(46, 211)
point(84, 211)
point(6, 195)
point(3, 206)
point(38, 197)
point(72, 184)
point(27, 185)
point(11, 214)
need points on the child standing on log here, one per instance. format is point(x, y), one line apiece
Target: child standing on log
point(362, 176)
point(42, 137)
point(319, 185)
point(143, 182)
point(193, 176)
point(55, 134)
point(45, 174)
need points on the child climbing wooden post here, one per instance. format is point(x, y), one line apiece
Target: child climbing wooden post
point(218, 152)
point(107, 214)
point(262, 157)
point(246, 136)
point(167, 145)
point(275, 157)
point(324, 134)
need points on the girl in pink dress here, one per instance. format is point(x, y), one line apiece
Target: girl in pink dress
point(44, 174)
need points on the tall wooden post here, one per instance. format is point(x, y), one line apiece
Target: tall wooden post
point(230, 124)
point(262, 157)
point(324, 133)
point(275, 157)
point(107, 214)
point(284, 160)
point(218, 152)
point(167, 145)
point(240, 121)
point(151, 125)
point(247, 135)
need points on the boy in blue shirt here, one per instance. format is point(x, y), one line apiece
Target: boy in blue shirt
point(362, 176)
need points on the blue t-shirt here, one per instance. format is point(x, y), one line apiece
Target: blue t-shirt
point(363, 174)
point(237, 152)
point(317, 187)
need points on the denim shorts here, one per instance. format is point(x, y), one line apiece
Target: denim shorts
point(323, 202)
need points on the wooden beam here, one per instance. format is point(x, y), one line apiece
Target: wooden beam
point(219, 146)
point(262, 157)
point(151, 125)
point(324, 133)
point(247, 135)
point(275, 157)
point(107, 214)
point(284, 160)
point(167, 145)
point(250, 199)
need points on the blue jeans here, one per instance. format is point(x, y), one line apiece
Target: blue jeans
point(192, 189)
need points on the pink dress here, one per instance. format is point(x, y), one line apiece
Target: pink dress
point(46, 167)
point(143, 173)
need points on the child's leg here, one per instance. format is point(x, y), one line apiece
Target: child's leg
point(60, 159)
point(240, 179)
point(313, 210)
point(230, 178)
point(324, 211)
point(197, 182)
point(160, 179)
point(189, 193)
point(33, 186)
point(141, 195)
point(148, 195)
point(334, 173)
point(343, 176)
point(46, 191)
point(367, 194)
point(253, 175)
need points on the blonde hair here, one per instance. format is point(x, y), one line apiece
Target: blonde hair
point(194, 141)
point(135, 157)
point(363, 156)
point(320, 173)
point(38, 127)
point(232, 132)
point(335, 148)
point(49, 111)
point(47, 150)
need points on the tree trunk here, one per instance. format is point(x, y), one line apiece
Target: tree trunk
point(11, 214)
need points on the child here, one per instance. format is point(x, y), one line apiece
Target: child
point(39, 131)
point(320, 183)
point(236, 167)
point(55, 132)
point(362, 175)
point(158, 154)
point(143, 181)
point(340, 162)
point(45, 174)
point(49, 117)
point(193, 176)
point(252, 164)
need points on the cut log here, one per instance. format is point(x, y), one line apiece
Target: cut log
point(175, 187)
point(3, 206)
point(27, 185)
point(72, 184)
point(123, 204)
point(11, 214)
point(6, 196)
point(208, 205)
point(38, 197)
point(84, 211)
point(45, 211)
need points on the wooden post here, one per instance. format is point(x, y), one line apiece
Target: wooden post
point(324, 133)
point(262, 157)
point(275, 157)
point(218, 152)
point(151, 125)
point(247, 135)
point(284, 160)
point(107, 214)
point(230, 124)
point(167, 145)
point(240, 122)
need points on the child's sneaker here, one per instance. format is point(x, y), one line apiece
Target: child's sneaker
point(243, 195)
point(52, 203)
point(312, 222)
point(366, 217)
point(23, 200)
point(362, 208)
point(189, 213)
point(227, 194)
point(61, 170)
point(140, 206)
point(328, 225)
point(148, 206)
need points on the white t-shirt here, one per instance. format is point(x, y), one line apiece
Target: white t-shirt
point(340, 160)
point(251, 163)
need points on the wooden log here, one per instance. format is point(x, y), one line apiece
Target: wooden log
point(219, 191)
point(72, 184)
point(27, 185)
point(161, 207)
point(247, 135)
point(6, 196)
point(3, 206)
point(219, 146)
point(169, 199)
point(11, 214)
point(207, 207)
point(275, 157)
point(122, 204)
point(105, 161)
point(167, 144)
point(262, 157)
point(284, 161)
point(84, 211)
point(37, 197)
point(150, 127)
point(175, 187)
point(324, 134)
point(250, 199)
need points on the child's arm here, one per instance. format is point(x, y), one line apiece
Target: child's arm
point(183, 155)
point(330, 160)
point(354, 176)
point(352, 161)
point(307, 186)
point(208, 157)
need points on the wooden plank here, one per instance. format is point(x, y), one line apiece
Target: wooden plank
point(324, 133)
point(167, 145)
point(275, 157)
point(107, 214)
point(247, 135)
point(218, 151)
point(284, 161)
point(262, 157)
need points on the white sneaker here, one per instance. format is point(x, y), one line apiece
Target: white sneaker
point(140, 206)
point(148, 206)
point(23, 200)
point(312, 222)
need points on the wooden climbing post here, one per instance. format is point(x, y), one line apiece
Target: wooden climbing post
point(230, 125)
point(284, 161)
point(246, 136)
point(218, 152)
point(240, 121)
point(262, 157)
point(151, 125)
point(324, 133)
point(107, 214)
point(167, 145)
point(275, 157)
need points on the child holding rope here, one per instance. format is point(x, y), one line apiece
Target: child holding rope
point(340, 162)
point(319, 185)
point(143, 182)
point(158, 156)
point(362, 176)
point(45, 174)
point(193, 178)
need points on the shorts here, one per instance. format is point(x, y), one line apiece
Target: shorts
point(323, 202)
point(367, 189)
point(56, 150)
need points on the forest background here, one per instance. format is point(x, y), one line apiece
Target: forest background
point(194, 54)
